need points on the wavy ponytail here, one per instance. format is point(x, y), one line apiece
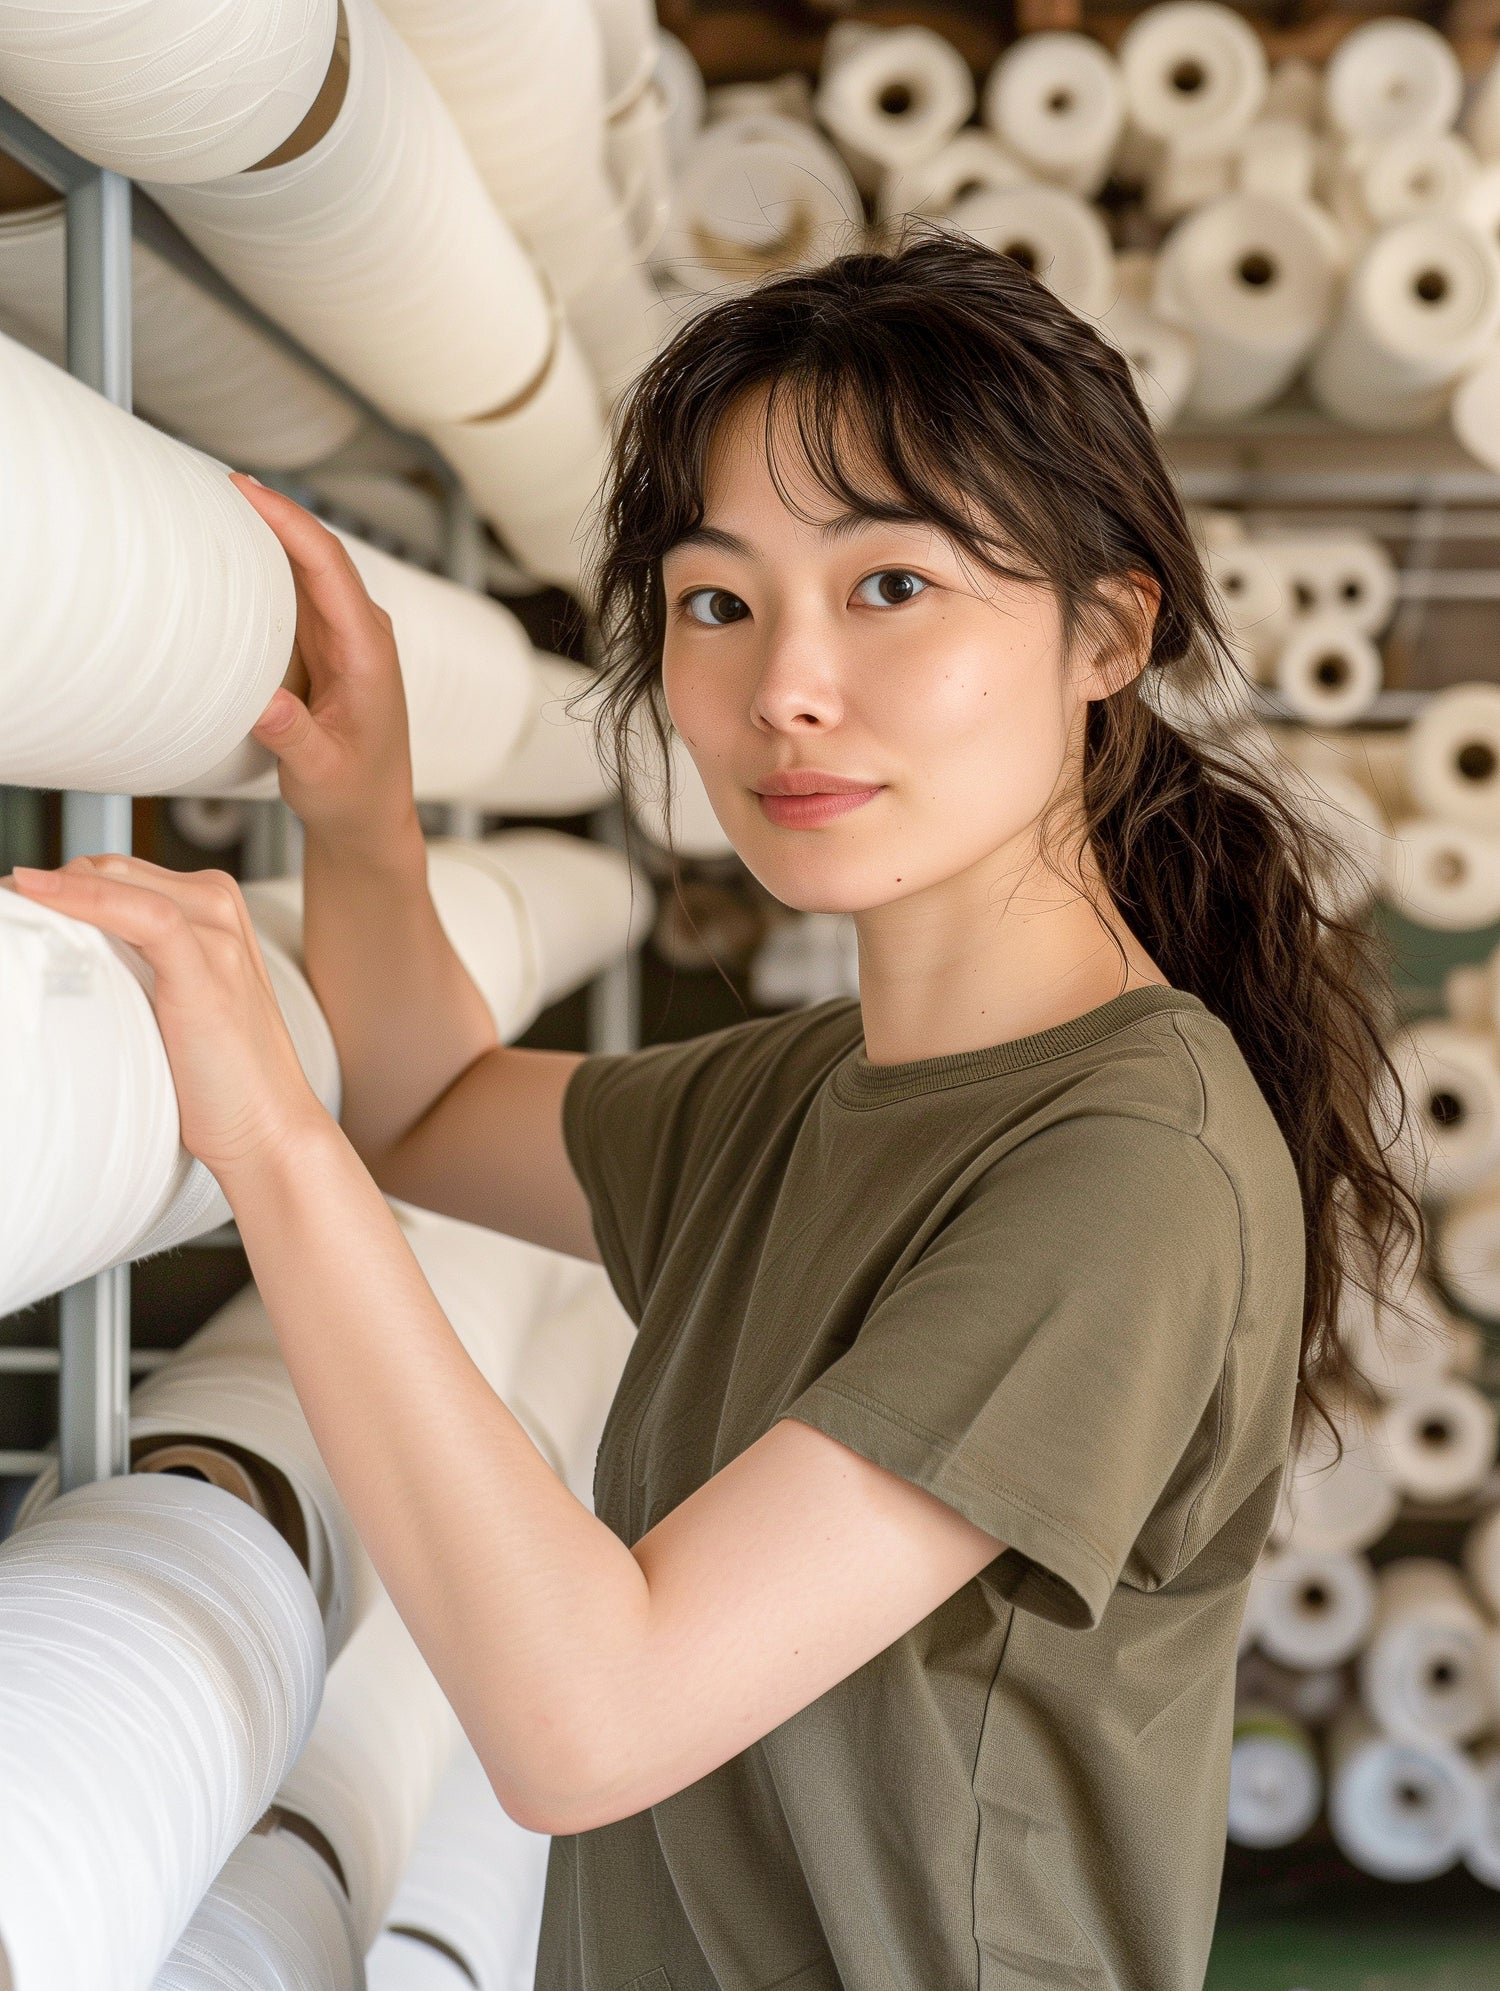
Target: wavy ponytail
point(942, 377)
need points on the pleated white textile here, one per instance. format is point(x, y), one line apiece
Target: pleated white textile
point(275, 1919)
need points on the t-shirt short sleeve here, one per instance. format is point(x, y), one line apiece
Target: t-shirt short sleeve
point(1047, 1360)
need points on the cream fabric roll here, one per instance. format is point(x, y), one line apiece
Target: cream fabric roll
point(474, 1882)
point(1329, 673)
point(379, 247)
point(1194, 74)
point(1426, 1672)
point(1468, 1251)
point(1380, 181)
point(1255, 281)
point(1276, 158)
point(1482, 1854)
point(1057, 101)
point(1182, 178)
point(198, 369)
point(566, 1378)
point(1422, 305)
point(372, 1765)
point(1443, 875)
point(755, 195)
point(1334, 573)
point(1391, 76)
point(1162, 357)
point(635, 150)
point(1481, 115)
point(1399, 1810)
point(1351, 821)
point(1314, 1609)
point(1453, 756)
point(147, 612)
point(681, 82)
point(1401, 1349)
point(1275, 1783)
point(627, 34)
point(1335, 1504)
point(932, 185)
point(405, 1963)
point(166, 89)
point(889, 96)
point(1481, 1558)
point(1254, 601)
point(275, 1919)
point(1451, 1079)
point(554, 767)
point(1052, 233)
point(161, 1663)
point(1437, 1439)
point(1475, 411)
point(788, 96)
point(693, 829)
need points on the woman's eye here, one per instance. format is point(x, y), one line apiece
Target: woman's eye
point(889, 588)
point(714, 607)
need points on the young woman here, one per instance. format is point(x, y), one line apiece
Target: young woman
point(900, 1655)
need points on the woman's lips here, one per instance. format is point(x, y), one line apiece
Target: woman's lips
point(803, 812)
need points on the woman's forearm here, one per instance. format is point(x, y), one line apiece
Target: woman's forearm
point(405, 1015)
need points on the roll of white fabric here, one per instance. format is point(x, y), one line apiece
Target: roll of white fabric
point(932, 186)
point(1475, 411)
point(1481, 1558)
point(379, 248)
point(1421, 306)
point(207, 824)
point(554, 767)
point(275, 1919)
point(681, 82)
point(1391, 76)
point(566, 1378)
point(167, 89)
point(1335, 1505)
point(635, 150)
point(758, 194)
point(890, 96)
point(197, 368)
point(535, 470)
point(366, 1780)
point(1469, 1251)
point(1351, 821)
point(1399, 1810)
point(1254, 601)
point(1334, 573)
point(1182, 178)
point(161, 1663)
point(1469, 996)
point(1312, 1699)
point(148, 612)
point(1329, 673)
point(474, 1883)
point(1052, 233)
point(693, 830)
point(1480, 122)
point(1275, 1783)
point(1058, 102)
point(1256, 281)
point(1427, 1671)
point(1400, 1349)
point(1453, 755)
point(627, 33)
point(1314, 1609)
point(1437, 1439)
point(1443, 875)
point(1276, 157)
point(405, 1963)
point(1482, 1854)
point(1194, 74)
point(1380, 181)
point(1162, 357)
point(1451, 1079)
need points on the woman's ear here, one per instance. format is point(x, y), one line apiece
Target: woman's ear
point(1131, 602)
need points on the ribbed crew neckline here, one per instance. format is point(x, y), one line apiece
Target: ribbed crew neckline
point(858, 1082)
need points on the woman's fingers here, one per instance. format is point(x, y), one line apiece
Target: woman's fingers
point(288, 730)
point(328, 583)
point(156, 922)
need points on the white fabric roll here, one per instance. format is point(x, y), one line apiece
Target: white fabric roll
point(1399, 1810)
point(1426, 1672)
point(627, 33)
point(1194, 74)
point(1162, 357)
point(1334, 573)
point(534, 471)
point(1475, 411)
point(1480, 122)
point(1380, 181)
point(1443, 875)
point(566, 1378)
point(161, 1663)
point(403, 1963)
point(693, 830)
point(1052, 233)
point(755, 195)
point(1275, 1784)
point(374, 1760)
point(1469, 1251)
point(890, 96)
point(1422, 304)
point(1469, 996)
point(1276, 157)
point(475, 1881)
point(1453, 755)
point(167, 89)
point(198, 369)
point(1481, 1557)
point(1314, 1609)
point(147, 611)
point(1182, 178)
point(1058, 102)
point(1397, 1350)
point(1256, 281)
point(1437, 1439)
point(1391, 76)
point(1329, 673)
point(1482, 1854)
point(635, 150)
point(788, 96)
point(932, 185)
point(1253, 598)
point(1334, 1506)
point(1451, 1079)
point(379, 247)
point(553, 769)
point(275, 1919)
point(1353, 824)
point(681, 82)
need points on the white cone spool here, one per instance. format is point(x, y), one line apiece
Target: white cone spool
point(1399, 1810)
point(1277, 158)
point(1054, 234)
point(1275, 1784)
point(1194, 74)
point(373, 1762)
point(1427, 1671)
point(1444, 875)
point(1329, 673)
point(566, 1378)
point(1058, 102)
point(1421, 306)
point(147, 611)
point(1162, 357)
point(1437, 1439)
point(1314, 1610)
point(554, 767)
point(1453, 755)
point(756, 195)
point(1469, 1251)
point(1392, 76)
point(1451, 1079)
point(1381, 181)
point(168, 89)
point(275, 1919)
point(1333, 1508)
point(379, 248)
point(893, 96)
point(404, 1963)
point(1182, 179)
point(1334, 573)
point(933, 185)
point(474, 1883)
point(161, 1663)
point(1395, 1350)
point(1255, 281)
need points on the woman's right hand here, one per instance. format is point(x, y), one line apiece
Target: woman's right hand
point(343, 748)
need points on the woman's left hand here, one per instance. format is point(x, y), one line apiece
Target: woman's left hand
point(241, 1093)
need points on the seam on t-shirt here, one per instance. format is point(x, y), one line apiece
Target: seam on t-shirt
point(984, 1722)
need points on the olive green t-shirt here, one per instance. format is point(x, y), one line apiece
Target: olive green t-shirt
point(1058, 1283)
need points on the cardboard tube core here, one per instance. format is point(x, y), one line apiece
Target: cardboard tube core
point(248, 1478)
point(323, 110)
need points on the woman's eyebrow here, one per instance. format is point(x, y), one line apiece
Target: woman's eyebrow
point(711, 536)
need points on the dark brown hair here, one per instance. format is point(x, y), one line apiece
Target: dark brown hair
point(941, 382)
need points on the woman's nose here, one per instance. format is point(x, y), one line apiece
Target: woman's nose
point(799, 689)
